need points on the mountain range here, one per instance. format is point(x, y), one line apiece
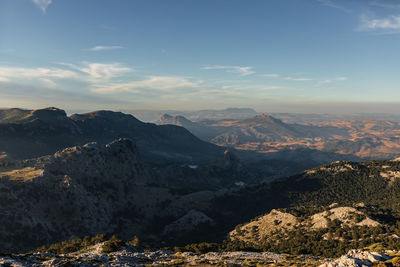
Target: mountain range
point(195, 115)
point(103, 173)
point(244, 113)
point(265, 134)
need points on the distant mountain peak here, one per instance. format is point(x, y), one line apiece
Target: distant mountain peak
point(16, 115)
point(176, 120)
point(240, 110)
point(264, 118)
point(105, 115)
point(166, 116)
point(49, 114)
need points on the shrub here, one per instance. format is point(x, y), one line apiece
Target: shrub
point(134, 242)
point(113, 244)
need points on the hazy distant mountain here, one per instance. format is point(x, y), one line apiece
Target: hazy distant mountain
point(230, 113)
point(31, 133)
point(266, 134)
point(319, 118)
point(200, 129)
point(175, 120)
point(234, 132)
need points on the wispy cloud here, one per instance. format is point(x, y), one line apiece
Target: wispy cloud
point(333, 4)
point(47, 77)
point(323, 82)
point(33, 96)
point(385, 5)
point(272, 75)
point(242, 71)
point(389, 24)
point(8, 73)
point(100, 72)
point(254, 87)
point(42, 4)
point(102, 48)
point(301, 79)
point(87, 72)
point(4, 79)
point(159, 83)
point(328, 81)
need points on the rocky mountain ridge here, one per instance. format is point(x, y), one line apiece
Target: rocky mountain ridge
point(32, 133)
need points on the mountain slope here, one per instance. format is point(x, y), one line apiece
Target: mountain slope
point(76, 191)
point(95, 188)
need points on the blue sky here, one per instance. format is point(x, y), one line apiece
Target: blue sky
point(271, 55)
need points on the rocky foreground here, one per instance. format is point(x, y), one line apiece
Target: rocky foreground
point(130, 256)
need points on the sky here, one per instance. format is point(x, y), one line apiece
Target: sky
point(270, 55)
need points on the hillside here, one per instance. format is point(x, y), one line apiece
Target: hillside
point(367, 195)
point(95, 188)
point(336, 227)
point(346, 183)
point(32, 133)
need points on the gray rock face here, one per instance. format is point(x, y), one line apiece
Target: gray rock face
point(77, 191)
point(112, 161)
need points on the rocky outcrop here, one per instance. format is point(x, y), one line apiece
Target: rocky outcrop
point(355, 258)
point(77, 191)
point(278, 223)
point(346, 216)
point(263, 227)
